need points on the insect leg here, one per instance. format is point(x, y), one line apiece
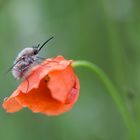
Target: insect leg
point(45, 58)
point(27, 84)
point(41, 58)
point(21, 70)
point(13, 66)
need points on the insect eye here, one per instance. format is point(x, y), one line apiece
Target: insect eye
point(35, 51)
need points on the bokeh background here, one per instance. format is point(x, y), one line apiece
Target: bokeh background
point(105, 32)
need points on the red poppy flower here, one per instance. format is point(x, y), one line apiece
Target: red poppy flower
point(53, 89)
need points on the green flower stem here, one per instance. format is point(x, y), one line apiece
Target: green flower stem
point(114, 94)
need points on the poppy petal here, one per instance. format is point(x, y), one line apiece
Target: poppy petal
point(61, 82)
point(11, 104)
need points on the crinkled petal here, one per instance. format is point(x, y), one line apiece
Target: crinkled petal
point(11, 104)
point(61, 82)
point(40, 100)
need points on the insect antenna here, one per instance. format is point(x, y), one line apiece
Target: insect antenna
point(45, 43)
point(36, 47)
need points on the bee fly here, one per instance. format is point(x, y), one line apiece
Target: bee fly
point(25, 60)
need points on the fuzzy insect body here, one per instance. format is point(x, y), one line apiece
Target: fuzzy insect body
point(25, 60)
point(23, 63)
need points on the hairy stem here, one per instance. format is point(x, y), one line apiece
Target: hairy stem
point(113, 93)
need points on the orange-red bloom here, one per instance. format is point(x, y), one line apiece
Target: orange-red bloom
point(53, 89)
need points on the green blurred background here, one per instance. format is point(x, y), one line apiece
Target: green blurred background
point(105, 32)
